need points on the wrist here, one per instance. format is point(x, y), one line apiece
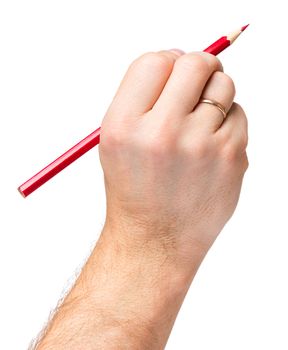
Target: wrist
point(141, 289)
point(158, 241)
point(143, 264)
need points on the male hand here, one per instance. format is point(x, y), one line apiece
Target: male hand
point(173, 168)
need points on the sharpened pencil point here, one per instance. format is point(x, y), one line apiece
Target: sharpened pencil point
point(233, 36)
point(243, 28)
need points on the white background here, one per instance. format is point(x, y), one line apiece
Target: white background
point(60, 64)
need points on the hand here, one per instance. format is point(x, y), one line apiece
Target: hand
point(173, 169)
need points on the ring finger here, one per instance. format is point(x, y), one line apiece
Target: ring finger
point(220, 88)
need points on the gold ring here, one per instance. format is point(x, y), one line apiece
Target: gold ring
point(221, 108)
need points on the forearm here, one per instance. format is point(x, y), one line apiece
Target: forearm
point(127, 297)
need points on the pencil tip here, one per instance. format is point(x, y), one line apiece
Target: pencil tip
point(233, 36)
point(244, 27)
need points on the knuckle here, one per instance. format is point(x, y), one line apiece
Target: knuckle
point(245, 162)
point(230, 152)
point(194, 61)
point(237, 108)
point(231, 149)
point(156, 147)
point(228, 81)
point(155, 61)
point(198, 149)
point(221, 139)
point(244, 126)
point(112, 138)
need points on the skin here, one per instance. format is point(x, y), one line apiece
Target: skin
point(173, 171)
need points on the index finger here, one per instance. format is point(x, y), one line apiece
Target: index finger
point(186, 83)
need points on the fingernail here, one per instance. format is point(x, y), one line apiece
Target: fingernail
point(178, 52)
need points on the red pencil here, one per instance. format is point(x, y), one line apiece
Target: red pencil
point(94, 138)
